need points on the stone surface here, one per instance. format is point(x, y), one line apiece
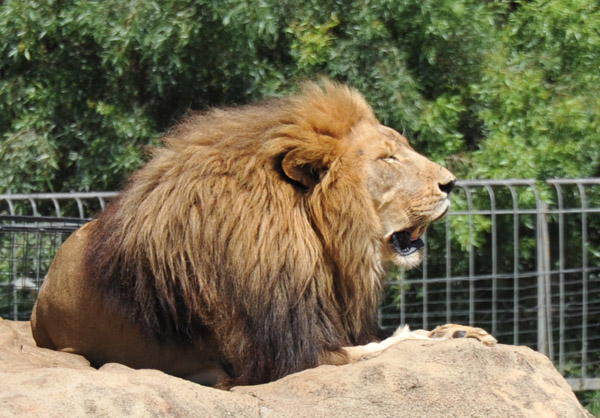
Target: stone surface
point(416, 378)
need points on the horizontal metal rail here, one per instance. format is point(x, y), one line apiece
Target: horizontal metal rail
point(34, 200)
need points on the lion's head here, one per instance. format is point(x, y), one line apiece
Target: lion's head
point(407, 191)
point(257, 236)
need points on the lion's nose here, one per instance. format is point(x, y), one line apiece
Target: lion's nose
point(447, 187)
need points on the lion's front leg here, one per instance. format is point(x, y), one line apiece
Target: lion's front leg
point(448, 331)
point(443, 332)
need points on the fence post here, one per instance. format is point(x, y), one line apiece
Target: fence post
point(544, 301)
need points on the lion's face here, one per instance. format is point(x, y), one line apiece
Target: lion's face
point(409, 192)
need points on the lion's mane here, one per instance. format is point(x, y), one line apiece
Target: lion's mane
point(211, 241)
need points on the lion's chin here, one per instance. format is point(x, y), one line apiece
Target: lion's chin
point(407, 261)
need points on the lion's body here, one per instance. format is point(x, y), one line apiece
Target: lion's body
point(81, 323)
point(251, 246)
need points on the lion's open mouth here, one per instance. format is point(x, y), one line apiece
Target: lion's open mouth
point(408, 241)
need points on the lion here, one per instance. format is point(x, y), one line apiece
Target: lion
point(252, 245)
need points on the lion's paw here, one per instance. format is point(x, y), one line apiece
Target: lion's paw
point(462, 331)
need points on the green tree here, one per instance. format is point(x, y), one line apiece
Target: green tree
point(85, 86)
point(539, 96)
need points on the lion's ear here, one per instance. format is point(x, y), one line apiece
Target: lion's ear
point(303, 169)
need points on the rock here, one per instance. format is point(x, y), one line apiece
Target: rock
point(416, 378)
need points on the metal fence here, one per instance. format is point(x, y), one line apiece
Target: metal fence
point(519, 258)
point(32, 227)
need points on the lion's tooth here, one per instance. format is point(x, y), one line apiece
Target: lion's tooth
point(415, 234)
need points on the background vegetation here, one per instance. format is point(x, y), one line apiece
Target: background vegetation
point(490, 89)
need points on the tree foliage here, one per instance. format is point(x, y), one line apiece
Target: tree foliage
point(492, 89)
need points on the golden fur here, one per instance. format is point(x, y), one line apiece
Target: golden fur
point(252, 245)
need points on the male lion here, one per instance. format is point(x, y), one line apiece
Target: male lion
point(251, 246)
